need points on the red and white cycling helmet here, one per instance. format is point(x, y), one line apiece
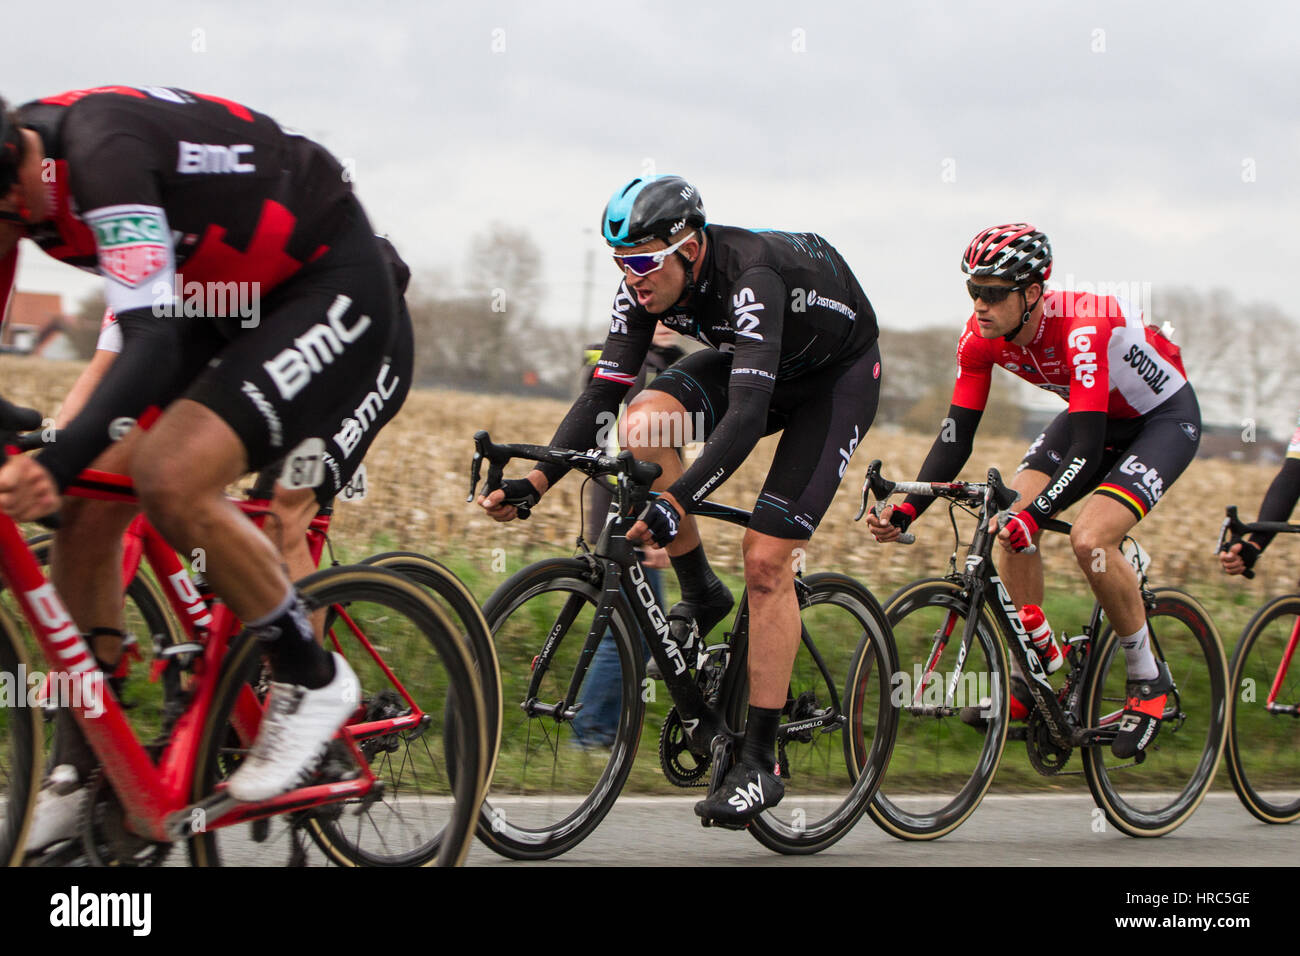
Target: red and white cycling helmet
point(1015, 251)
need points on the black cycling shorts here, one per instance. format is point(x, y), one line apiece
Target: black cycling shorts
point(823, 417)
point(1143, 456)
point(327, 366)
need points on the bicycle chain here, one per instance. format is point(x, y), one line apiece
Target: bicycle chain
point(672, 744)
point(1045, 755)
point(104, 837)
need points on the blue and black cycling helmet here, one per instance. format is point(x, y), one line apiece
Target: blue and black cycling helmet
point(651, 207)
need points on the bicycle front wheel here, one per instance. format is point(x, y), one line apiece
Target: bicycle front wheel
point(409, 660)
point(1160, 794)
point(553, 784)
point(846, 644)
point(1264, 738)
point(945, 755)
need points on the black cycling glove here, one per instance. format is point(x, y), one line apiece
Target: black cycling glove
point(663, 521)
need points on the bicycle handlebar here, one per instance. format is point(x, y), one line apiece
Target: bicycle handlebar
point(1234, 525)
point(640, 474)
point(970, 492)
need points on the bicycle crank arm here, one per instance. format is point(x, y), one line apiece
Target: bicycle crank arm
point(1283, 709)
point(190, 820)
point(928, 711)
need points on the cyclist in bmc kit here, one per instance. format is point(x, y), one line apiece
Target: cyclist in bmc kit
point(1132, 427)
point(793, 348)
point(1279, 501)
point(295, 341)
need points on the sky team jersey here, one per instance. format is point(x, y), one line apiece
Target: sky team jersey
point(1094, 351)
point(784, 303)
point(162, 191)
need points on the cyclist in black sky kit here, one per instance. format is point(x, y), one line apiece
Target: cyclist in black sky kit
point(793, 349)
point(298, 341)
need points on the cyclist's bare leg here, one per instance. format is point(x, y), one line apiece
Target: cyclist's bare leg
point(643, 434)
point(86, 559)
point(773, 616)
point(181, 468)
point(1098, 532)
point(292, 511)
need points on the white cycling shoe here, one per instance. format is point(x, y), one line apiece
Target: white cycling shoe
point(58, 809)
point(297, 726)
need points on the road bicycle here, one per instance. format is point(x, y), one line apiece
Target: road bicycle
point(953, 694)
point(549, 792)
point(420, 698)
point(1264, 734)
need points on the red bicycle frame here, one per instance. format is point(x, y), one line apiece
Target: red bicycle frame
point(156, 797)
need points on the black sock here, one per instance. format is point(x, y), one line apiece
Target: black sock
point(291, 645)
point(759, 749)
point(698, 582)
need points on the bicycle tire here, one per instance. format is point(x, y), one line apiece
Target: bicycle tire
point(451, 671)
point(21, 747)
point(1186, 749)
point(542, 811)
point(826, 793)
point(1263, 748)
point(463, 610)
point(948, 765)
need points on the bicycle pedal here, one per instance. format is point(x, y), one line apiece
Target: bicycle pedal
point(259, 830)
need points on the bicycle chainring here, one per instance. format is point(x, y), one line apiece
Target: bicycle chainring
point(104, 835)
point(1045, 755)
point(681, 767)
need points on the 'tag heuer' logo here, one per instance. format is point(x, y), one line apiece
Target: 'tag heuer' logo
point(132, 241)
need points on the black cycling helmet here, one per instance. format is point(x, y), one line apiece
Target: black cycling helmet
point(1016, 251)
point(652, 207)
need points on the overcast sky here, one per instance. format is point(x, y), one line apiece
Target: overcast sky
point(1154, 143)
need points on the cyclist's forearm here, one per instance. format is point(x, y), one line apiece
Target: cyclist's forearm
point(950, 451)
point(84, 386)
point(1078, 467)
point(727, 448)
point(133, 381)
point(597, 406)
point(1279, 501)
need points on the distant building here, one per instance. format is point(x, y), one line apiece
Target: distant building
point(35, 325)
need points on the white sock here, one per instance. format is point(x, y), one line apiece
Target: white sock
point(1140, 661)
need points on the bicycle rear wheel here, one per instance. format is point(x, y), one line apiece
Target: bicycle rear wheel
point(1263, 744)
point(21, 740)
point(838, 699)
point(1162, 792)
point(408, 659)
point(943, 762)
point(551, 787)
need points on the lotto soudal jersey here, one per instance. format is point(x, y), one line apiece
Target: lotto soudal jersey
point(785, 303)
point(158, 189)
point(1094, 351)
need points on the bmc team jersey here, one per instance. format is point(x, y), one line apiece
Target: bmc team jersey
point(240, 267)
point(1093, 351)
point(782, 305)
point(145, 184)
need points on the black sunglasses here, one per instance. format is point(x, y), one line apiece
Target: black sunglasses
point(992, 294)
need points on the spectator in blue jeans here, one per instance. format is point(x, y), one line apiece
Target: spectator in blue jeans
point(597, 721)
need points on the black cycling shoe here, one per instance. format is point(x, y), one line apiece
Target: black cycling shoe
point(745, 793)
point(702, 617)
point(1143, 709)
